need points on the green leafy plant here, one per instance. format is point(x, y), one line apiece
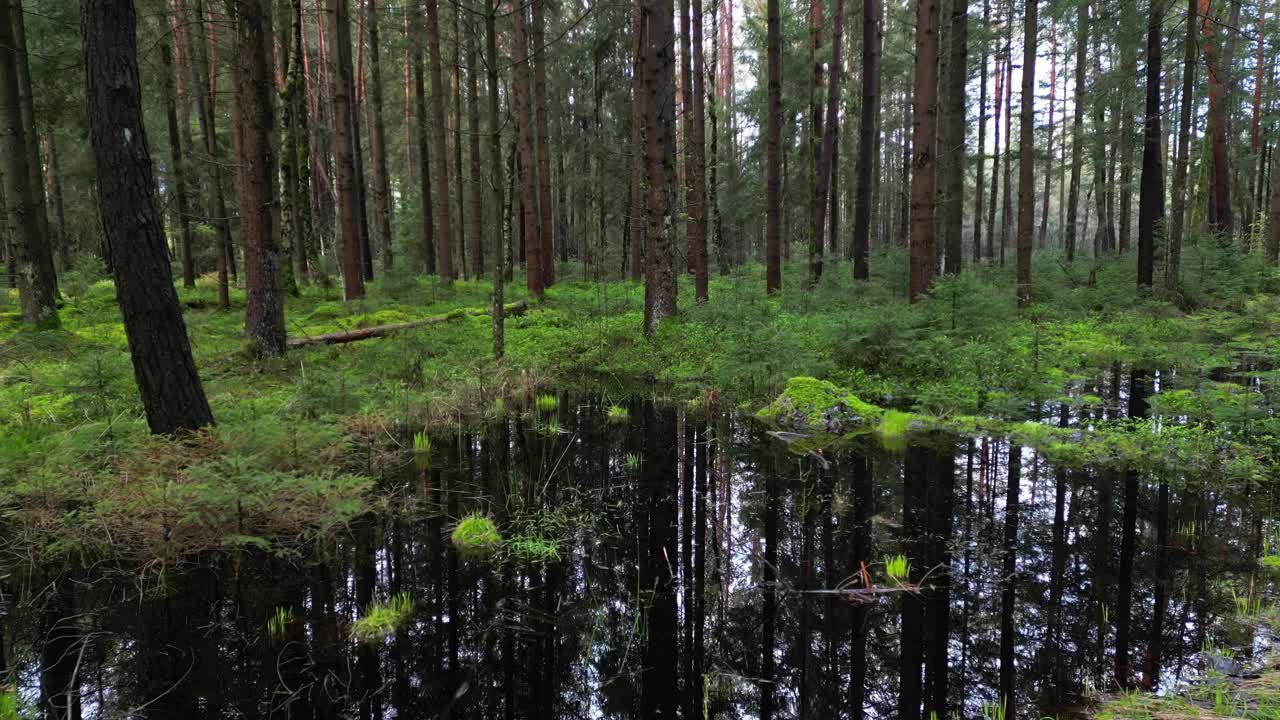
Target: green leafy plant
point(547, 403)
point(618, 414)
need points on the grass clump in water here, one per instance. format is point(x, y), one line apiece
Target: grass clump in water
point(897, 567)
point(421, 450)
point(476, 536)
point(278, 623)
point(618, 414)
point(547, 403)
point(380, 620)
point(534, 549)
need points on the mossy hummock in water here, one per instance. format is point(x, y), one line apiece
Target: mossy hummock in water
point(421, 450)
point(815, 414)
point(476, 536)
point(380, 620)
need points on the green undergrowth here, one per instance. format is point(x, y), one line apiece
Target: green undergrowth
point(297, 436)
point(1217, 698)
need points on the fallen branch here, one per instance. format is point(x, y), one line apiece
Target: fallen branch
point(378, 331)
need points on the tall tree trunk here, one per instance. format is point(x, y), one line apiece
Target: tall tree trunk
point(295, 158)
point(773, 151)
point(455, 134)
point(637, 220)
point(1104, 236)
point(659, 126)
point(178, 161)
point(546, 232)
point(34, 169)
point(1077, 129)
point(162, 363)
point(1128, 69)
point(444, 213)
point(998, 96)
point(216, 206)
point(826, 161)
point(55, 197)
point(769, 582)
point(341, 92)
point(1026, 156)
point(1009, 584)
point(924, 114)
point(915, 492)
point(1006, 206)
point(495, 174)
point(1138, 409)
point(29, 250)
point(724, 256)
point(378, 142)
point(868, 132)
point(659, 696)
point(1042, 241)
point(1256, 146)
point(256, 175)
point(982, 140)
point(473, 132)
point(951, 135)
point(1151, 190)
point(1220, 220)
point(524, 131)
point(356, 83)
point(1272, 248)
point(813, 140)
point(426, 244)
point(940, 509)
point(697, 166)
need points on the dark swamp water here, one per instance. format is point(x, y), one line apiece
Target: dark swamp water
point(700, 570)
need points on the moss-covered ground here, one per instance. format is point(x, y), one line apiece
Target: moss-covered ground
point(297, 436)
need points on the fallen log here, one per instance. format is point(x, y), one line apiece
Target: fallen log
point(378, 331)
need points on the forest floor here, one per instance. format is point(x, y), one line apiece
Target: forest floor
point(302, 440)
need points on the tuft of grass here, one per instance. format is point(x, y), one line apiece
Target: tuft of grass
point(618, 414)
point(278, 623)
point(476, 536)
point(499, 406)
point(632, 462)
point(547, 403)
point(380, 620)
point(534, 549)
point(421, 450)
point(897, 567)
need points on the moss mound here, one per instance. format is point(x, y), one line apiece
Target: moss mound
point(810, 405)
point(476, 536)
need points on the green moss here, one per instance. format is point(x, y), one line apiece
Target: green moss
point(476, 536)
point(818, 406)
